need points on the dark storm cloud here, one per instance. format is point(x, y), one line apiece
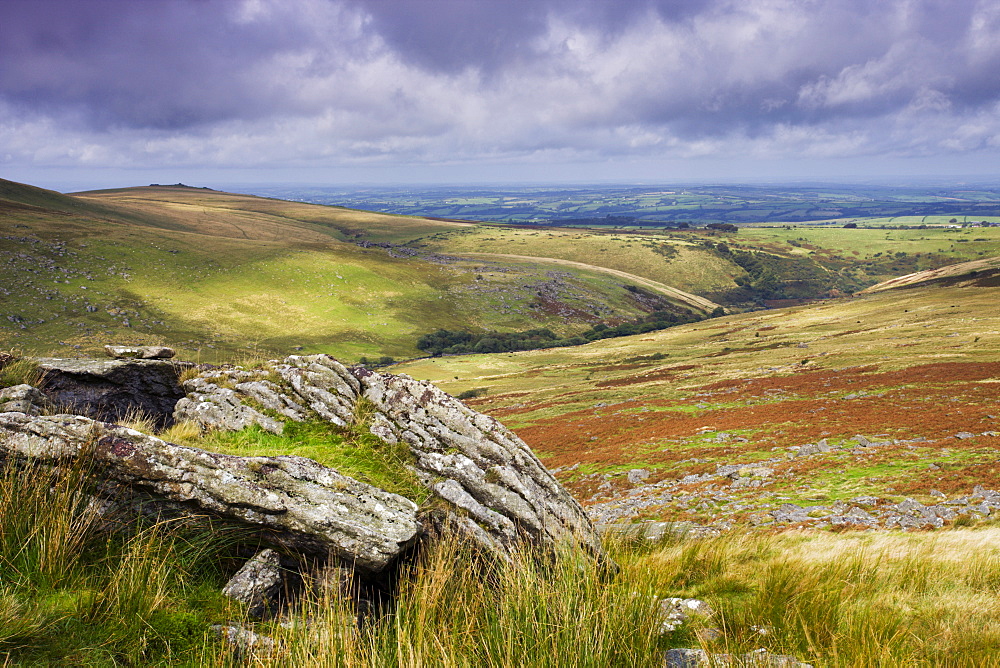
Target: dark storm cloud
point(452, 35)
point(272, 82)
point(156, 63)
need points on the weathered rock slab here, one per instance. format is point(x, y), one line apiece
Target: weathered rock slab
point(110, 390)
point(257, 583)
point(140, 352)
point(498, 492)
point(22, 399)
point(293, 502)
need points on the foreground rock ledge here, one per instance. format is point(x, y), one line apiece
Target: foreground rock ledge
point(498, 494)
point(302, 505)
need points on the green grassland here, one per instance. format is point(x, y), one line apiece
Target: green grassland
point(672, 261)
point(217, 275)
point(809, 261)
point(245, 216)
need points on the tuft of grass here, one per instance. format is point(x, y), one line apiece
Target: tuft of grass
point(352, 450)
point(184, 431)
point(139, 420)
point(71, 594)
point(46, 516)
point(20, 371)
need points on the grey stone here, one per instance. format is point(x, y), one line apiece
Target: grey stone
point(861, 440)
point(686, 658)
point(212, 407)
point(257, 583)
point(498, 491)
point(293, 502)
point(22, 399)
point(111, 390)
point(699, 658)
point(140, 352)
point(244, 640)
point(675, 611)
point(859, 514)
point(910, 507)
point(636, 476)
point(490, 463)
point(962, 435)
point(728, 470)
point(789, 512)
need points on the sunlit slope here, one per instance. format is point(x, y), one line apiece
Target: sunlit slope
point(983, 273)
point(805, 262)
point(685, 299)
point(249, 217)
point(915, 367)
point(679, 263)
point(214, 278)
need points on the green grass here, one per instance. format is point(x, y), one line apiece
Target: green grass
point(20, 371)
point(71, 594)
point(352, 451)
point(887, 599)
point(681, 265)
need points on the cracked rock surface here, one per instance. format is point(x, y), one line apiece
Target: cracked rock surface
point(294, 502)
point(496, 490)
point(112, 389)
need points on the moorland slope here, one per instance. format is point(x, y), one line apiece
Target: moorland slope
point(216, 275)
point(781, 394)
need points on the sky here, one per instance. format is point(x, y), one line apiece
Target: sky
point(98, 93)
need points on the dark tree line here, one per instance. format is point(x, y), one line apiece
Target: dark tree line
point(447, 342)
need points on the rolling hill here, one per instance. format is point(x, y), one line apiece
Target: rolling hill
point(977, 273)
point(915, 371)
point(220, 275)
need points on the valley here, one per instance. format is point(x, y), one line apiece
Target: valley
point(824, 382)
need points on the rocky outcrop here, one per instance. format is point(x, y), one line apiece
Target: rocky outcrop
point(140, 352)
point(110, 390)
point(495, 491)
point(291, 502)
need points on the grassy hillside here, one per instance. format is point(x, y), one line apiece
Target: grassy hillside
point(795, 262)
point(898, 366)
point(249, 217)
point(220, 276)
point(981, 273)
point(678, 262)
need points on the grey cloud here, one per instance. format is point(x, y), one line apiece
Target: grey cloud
point(308, 81)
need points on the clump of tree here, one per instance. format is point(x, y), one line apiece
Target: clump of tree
point(722, 227)
point(448, 342)
point(385, 360)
